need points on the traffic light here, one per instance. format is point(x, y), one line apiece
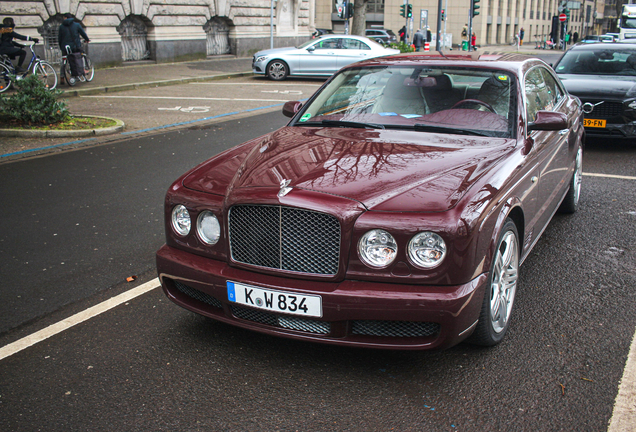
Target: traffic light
point(567, 14)
point(403, 10)
point(443, 14)
point(473, 7)
point(349, 9)
point(409, 10)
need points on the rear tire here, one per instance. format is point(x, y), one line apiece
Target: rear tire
point(66, 70)
point(277, 70)
point(46, 73)
point(499, 297)
point(571, 201)
point(5, 78)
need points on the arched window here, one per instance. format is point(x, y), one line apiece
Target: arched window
point(49, 32)
point(218, 36)
point(134, 38)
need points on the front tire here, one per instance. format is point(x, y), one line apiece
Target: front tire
point(499, 297)
point(571, 201)
point(277, 70)
point(46, 73)
point(89, 69)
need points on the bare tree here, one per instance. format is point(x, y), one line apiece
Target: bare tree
point(359, 17)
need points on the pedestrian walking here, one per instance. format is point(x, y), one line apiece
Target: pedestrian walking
point(418, 40)
point(575, 37)
point(11, 48)
point(68, 38)
point(402, 34)
point(522, 33)
point(473, 42)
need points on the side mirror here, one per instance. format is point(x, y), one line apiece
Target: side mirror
point(311, 48)
point(548, 121)
point(291, 108)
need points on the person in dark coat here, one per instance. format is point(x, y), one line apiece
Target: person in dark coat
point(418, 40)
point(402, 34)
point(11, 48)
point(69, 35)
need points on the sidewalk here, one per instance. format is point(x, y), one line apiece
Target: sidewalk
point(142, 74)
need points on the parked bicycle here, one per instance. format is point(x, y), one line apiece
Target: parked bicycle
point(89, 70)
point(41, 68)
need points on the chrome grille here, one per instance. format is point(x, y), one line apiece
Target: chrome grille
point(285, 238)
point(197, 295)
point(288, 322)
point(395, 328)
point(605, 110)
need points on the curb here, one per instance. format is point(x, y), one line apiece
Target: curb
point(30, 133)
point(162, 83)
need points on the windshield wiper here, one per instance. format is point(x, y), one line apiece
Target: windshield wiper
point(342, 123)
point(431, 128)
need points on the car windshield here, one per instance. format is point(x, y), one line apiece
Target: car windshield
point(607, 61)
point(450, 100)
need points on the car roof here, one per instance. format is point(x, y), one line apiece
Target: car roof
point(331, 36)
point(604, 46)
point(513, 63)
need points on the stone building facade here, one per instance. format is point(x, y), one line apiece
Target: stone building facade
point(166, 30)
point(497, 23)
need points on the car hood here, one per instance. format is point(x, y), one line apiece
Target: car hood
point(599, 86)
point(385, 170)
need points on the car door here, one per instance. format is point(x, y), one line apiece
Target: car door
point(352, 50)
point(551, 147)
point(319, 58)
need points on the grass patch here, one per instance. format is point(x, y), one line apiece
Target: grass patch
point(72, 123)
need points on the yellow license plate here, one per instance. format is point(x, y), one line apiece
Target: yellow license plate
point(594, 123)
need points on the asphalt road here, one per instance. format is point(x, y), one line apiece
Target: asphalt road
point(76, 224)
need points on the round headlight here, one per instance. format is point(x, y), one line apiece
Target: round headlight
point(377, 248)
point(427, 250)
point(208, 228)
point(181, 222)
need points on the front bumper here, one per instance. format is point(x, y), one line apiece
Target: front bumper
point(613, 130)
point(355, 313)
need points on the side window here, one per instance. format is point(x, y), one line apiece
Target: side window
point(553, 88)
point(537, 96)
point(354, 44)
point(327, 44)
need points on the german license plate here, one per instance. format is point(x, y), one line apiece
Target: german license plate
point(275, 301)
point(594, 123)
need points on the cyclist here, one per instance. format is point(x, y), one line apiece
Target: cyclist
point(11, 48)
point(68, 38)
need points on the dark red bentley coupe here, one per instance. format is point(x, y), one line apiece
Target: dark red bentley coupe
point(393, 211)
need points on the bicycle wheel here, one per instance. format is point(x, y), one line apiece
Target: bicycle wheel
point(89, 69)
point(66, 73)
point(5, 78)
point(46, 73)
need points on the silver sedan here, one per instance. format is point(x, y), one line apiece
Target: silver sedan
point(318, 57)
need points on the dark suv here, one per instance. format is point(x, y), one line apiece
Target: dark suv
point(381, 36)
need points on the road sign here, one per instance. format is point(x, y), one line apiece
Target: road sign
point(562, 17)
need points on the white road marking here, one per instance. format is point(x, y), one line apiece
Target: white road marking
point(256, 84)
point(624, 415)
point(80, 317)
point(621, 177)
point(189, 98)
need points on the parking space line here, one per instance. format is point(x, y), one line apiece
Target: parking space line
point(621, 177)
point(187, 98)
point(80, 317)
point(624, 414)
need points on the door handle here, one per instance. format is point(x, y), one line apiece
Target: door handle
point(564, 131)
